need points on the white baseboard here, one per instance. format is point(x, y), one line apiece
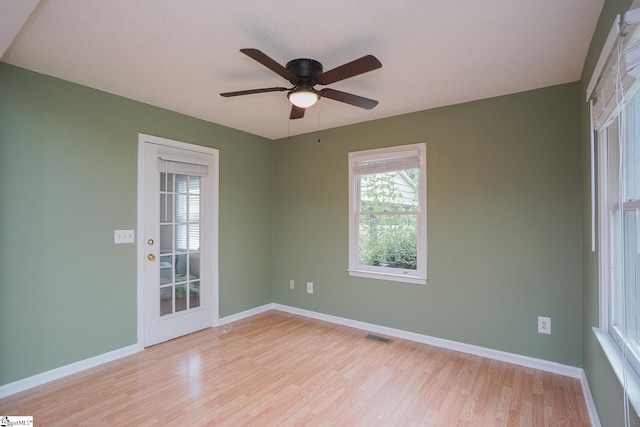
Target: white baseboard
point(63, 371)
point(244, 314)
point(588, 398)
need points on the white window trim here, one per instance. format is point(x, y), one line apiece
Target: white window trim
point(609, 338)
point(357, 270)
point(611, 342)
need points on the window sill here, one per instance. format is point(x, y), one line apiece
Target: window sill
point(614, 355)
point(387, 276)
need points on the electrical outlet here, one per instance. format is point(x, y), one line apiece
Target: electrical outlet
point(123, 236)
point(309, 287)
point(544, 325)
point(292, 284)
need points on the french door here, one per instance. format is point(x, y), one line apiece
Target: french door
point(178, 238)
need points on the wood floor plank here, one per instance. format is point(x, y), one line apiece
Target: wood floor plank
point(278, 369)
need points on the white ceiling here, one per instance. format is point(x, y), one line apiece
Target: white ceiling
point(180, 55)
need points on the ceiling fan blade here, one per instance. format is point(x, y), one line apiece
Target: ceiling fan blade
point(350, 69)
point(349, 98)
point(296, 112)
point(262, 58)
point(250, 91)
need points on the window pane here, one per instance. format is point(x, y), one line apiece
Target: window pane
point(389, 241)
point(631, 276)
point(389, 191)
point(613, 152)
point(632, 150)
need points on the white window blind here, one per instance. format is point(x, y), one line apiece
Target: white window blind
point(615, 78)
point(411, 160)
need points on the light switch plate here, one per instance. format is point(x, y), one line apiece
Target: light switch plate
point(123, 236)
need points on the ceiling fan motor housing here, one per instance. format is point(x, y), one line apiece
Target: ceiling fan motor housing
point(305, 69)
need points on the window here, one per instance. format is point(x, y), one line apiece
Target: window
point(620, 217)
point(615, 105)
point(388, 213)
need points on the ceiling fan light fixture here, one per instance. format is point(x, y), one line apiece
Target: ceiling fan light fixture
point(303, 98)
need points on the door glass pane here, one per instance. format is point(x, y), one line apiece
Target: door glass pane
point(166, 303)
point(181, 297)
point(194, 237)
point(166, 239)
point(194, 266)
point(166, 269)
point(181, 267)
point(194, 208)
point(194, 185)
point(181, 237)
point(166, 208)
point(166, 182)
point(194, 294)
point(181, 208)
point(181, 183)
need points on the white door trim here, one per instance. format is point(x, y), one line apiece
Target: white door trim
point(142, 140)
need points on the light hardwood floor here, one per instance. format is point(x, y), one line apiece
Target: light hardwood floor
point(278, 369)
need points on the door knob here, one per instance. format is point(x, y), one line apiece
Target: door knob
point(151, 257)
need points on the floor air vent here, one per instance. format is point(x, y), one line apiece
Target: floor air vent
point(377, 338)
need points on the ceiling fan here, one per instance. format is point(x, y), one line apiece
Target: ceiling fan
point(304, 74)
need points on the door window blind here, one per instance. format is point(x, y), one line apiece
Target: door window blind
point(181, 165)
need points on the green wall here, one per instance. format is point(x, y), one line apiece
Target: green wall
point(605, 388)
point(504, 224)
point(68, 162)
